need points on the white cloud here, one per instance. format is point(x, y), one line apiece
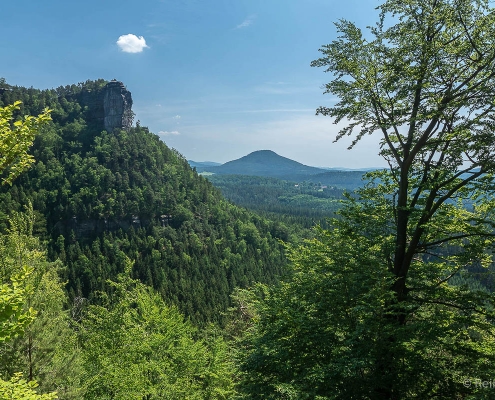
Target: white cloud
point(166, 133)
point(248, 21)
point(177, 117)
point(131, 43)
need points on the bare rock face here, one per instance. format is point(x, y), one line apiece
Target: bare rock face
point(117, 107)
point(109, 106)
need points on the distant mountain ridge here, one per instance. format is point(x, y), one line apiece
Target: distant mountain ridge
point(264, 163)
point(267, 163)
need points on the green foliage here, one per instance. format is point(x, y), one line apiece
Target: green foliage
point(15, 280)
point(13, 317)
point(19, 389)
point(137, 347)
point(425, 85)
point(331, 333)
point(15, 140)
point(383, 306)
point(45, 349)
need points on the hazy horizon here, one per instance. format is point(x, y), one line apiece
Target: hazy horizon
point(309, 165)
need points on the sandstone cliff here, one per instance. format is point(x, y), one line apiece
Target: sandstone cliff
point(110, 107)
point(117, 106)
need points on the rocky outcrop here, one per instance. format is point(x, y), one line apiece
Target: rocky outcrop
point(110, 107)
point(117, 106)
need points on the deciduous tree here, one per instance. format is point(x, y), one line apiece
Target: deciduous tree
point(426, 85)
point(16, 136)
point(376, 308)
point(15, 139)
point(137, 347)
point(44, 350)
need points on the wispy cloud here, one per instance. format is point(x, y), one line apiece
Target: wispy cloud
point(131, 43)
point(285, 88)
point(247, 22)
point(281, 110)
point(177, 117)
point(167, 133)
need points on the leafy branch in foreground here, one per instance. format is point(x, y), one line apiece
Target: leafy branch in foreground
point(15, 285)
point(15, 139)
point(13, 316)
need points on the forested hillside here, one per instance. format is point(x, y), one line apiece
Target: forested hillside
point(303, 204)
point(101, 196)
point(268, 164)
point(264, 163)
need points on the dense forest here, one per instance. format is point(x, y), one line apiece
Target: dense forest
point(100, 197)
point(298, 204)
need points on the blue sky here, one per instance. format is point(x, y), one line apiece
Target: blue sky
point(215, 79)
